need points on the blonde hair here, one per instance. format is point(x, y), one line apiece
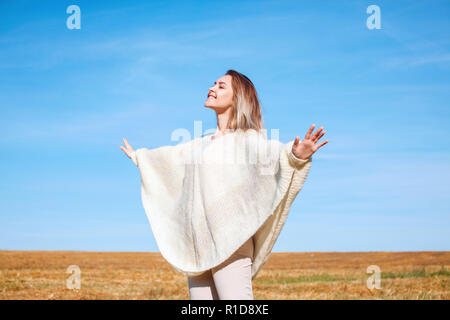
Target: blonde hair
point(246, 109)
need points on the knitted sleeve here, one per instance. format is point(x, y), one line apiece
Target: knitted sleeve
point(292, 175)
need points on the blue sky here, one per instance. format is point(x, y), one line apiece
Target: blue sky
point(142, 69)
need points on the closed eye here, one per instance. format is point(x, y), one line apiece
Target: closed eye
point(220, 83)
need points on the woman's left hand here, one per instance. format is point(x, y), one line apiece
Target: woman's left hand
point(304, 149)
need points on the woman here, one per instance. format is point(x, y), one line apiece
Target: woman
point(216, 204)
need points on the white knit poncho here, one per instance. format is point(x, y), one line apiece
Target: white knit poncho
point(204, 198)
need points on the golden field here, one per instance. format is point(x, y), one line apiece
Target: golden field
point(287, 275)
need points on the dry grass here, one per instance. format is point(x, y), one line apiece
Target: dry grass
point(318, 275)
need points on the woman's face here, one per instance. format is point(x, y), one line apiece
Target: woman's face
point(220, 94)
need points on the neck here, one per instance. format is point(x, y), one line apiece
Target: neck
point(222, 121)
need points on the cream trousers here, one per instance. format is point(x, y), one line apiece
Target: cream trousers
point(231, 280)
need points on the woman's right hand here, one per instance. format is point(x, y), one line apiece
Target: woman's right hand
point(129, 149)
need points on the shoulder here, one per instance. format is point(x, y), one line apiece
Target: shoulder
point(259, 139)
point(207, 134)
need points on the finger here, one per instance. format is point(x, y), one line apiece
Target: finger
point(126, 152)
point(323, 143)
point(127, 144)
point(316, 134)
point(318, 138)
point(297, 139)
point(308, 134)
